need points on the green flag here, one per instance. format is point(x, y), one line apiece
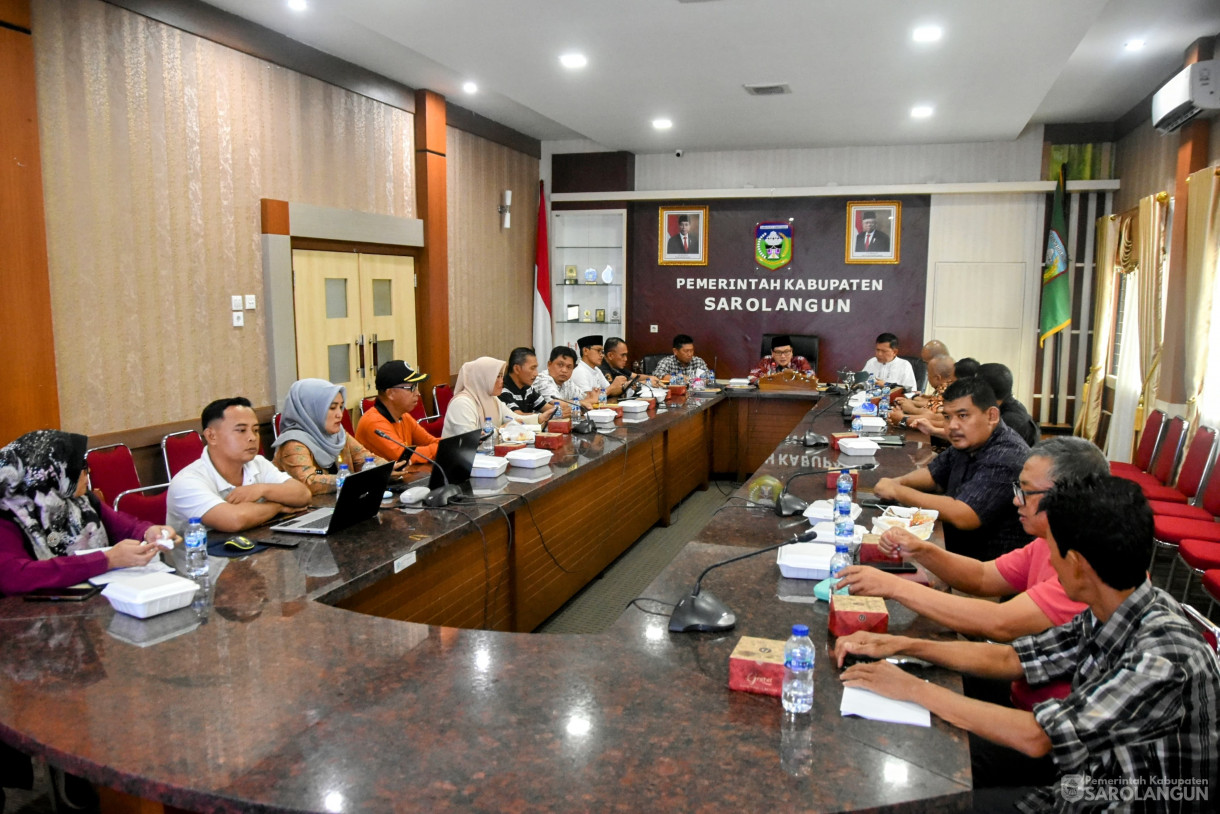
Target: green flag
point(1056, 294)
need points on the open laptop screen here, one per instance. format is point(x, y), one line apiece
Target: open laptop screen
point(455, 455)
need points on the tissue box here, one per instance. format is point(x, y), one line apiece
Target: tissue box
point(677, 391)
point(757, 665)
point(559, 425)
point(548, 440)
point(851, 613)
point(870, 551)
point(505, 447)
point(833, 477)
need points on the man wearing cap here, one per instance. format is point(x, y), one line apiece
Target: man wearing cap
point(397, 395)
point(684, 242)
point(780, 359)
point(870, 240)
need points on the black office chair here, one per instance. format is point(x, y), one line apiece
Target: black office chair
point(921, 371)
point(802, 345)
point(650, 361)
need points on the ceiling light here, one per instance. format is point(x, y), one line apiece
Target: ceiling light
point(573, 61)
point(662, 124)
point(927, 33)
point(470, 87)
point(921, 111)
point(297, 5)
point(1134, 45)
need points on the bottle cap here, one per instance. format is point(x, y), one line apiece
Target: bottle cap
point(194, 520)
point(800, 630)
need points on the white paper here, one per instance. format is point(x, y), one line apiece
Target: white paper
point(155, 566)
point(870, 705)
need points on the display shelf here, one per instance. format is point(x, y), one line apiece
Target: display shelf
point(592, 238)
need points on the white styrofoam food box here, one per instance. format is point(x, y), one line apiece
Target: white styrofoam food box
point(805, 560)
point(634, 406)
point(603, 416)
point(150, 594)
point(820, 510)
point(872, 423)
point(488, 466)
point(529, 458)
point(858, 446)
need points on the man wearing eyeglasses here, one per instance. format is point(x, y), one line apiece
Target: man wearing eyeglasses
point(397, 394)
point(780, 359)
point(1038, 602)
point(969, 484)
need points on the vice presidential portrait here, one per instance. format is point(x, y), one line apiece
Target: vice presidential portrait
point(873, 231)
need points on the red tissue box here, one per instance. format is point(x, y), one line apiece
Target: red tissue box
point(548, 440)
point(870, 551)
point(757, 665)
point(832, 478)
point(505, 447)
point(851, 613)
point(677, 391)
point(559, 425)
point(836, 437)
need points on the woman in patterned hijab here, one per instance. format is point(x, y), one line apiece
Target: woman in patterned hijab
point(46, 516)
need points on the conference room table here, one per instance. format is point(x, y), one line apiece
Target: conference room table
point(317, 679)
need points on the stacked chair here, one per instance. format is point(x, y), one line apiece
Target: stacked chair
point(113, 478)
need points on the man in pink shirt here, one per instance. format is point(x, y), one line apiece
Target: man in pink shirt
point(1038, 600)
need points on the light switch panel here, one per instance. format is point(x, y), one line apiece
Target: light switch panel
point(250, 302)
point(236, 301)
point(239, 319)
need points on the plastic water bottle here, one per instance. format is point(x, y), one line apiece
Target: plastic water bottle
point(368, 461)
point(488, 427)
point(341, 478)
point(196, 546)
point(842, 557)
point(798, 671)
point(844, 484)
point(601, 398)
point(857, 424)
point(883, 409)
point(709, 378)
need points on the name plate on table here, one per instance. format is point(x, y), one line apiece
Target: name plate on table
point(788, 380)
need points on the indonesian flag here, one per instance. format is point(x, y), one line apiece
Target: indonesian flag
point(542, 283)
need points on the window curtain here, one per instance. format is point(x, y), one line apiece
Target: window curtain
point(1089, 417)
point(1120, 440)
point(1150, 281)
point(1202, 265)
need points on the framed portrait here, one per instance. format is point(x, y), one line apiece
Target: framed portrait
point(682, 236)
point(874, 231)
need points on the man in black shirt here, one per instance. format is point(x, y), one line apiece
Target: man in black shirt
point(518, 393)
point(1012, 412)
point(617, 368)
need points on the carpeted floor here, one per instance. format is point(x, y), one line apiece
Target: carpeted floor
point(595, 609)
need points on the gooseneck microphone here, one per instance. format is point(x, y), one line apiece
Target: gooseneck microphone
point(700, 610)
point(413, 451)
point(787, 504)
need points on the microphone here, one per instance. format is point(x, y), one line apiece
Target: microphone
point(440, 493)
point(787, 504)
point(704, 612)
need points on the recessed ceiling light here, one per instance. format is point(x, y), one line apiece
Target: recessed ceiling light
point(573, 61)
point(297, 5)
point(927, 33)
point(1134, 45)
point(662, 124)
point(470, 87)
point(921, 111)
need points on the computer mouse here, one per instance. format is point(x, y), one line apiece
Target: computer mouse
point(413, 496)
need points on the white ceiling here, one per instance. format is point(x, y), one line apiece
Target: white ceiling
point(853, 68)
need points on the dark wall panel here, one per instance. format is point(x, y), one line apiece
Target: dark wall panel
point(863, 300)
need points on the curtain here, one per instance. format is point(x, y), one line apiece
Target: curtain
point(1202, 265)
point(1153, 219)
point(1089, 416)
point(1120, 441)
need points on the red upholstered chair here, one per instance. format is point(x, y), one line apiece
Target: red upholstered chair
point(1211, 584)
point(1190, 477)
point(366, 404)
point(347, 422)
point(146, 503)
point(112, 471)
point(1209, 632)
point(433, 425)
point(180, 449)
point(1149, 439)
point(418, 412)
point(1165, 461)
point(441, 396)
point(1205, 507)
point(1200, 557)
point(275, 424)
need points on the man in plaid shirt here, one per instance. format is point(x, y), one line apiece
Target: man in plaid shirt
point(682, 361)
point(1138, 730)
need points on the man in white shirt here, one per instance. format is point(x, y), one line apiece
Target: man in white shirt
point(557, 382)
point(587, 377)
point(231, 487)
point(888, 367)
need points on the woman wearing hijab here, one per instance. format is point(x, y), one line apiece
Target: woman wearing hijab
point(312, 440)
point(47, 515)
point(476, 397)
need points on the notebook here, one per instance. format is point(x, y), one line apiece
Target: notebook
point(358, 500)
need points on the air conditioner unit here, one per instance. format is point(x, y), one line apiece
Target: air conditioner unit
point(1193, 90)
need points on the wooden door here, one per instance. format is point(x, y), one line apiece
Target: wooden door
point(387, 307)
point(326, 295)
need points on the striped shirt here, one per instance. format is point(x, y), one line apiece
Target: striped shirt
point(1140, 723)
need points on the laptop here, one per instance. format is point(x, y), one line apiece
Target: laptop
point(455, 456)
point(359, 499)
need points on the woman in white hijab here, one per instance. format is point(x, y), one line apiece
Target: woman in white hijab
point(312, 442)
point(476, 397)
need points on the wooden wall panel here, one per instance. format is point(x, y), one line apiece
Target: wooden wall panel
point(491, 269)
point(27, 365)
point(157, 147)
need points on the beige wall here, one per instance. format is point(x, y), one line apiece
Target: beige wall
point(1145, 162)
point(491, 269)
point(157, 146)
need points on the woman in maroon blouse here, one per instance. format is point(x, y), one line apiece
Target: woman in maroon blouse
point(46, 515)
